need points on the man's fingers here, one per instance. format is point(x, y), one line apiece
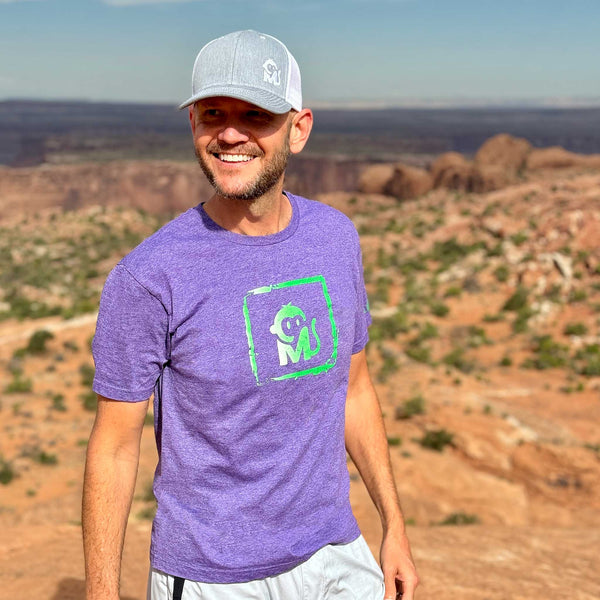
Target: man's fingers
point(390, 586)
point(408, 588)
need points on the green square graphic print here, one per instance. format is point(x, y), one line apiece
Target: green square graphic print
point(291, 329)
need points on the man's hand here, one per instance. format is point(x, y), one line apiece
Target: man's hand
point(399, 572)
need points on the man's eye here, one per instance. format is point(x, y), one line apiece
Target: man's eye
point(258, 115)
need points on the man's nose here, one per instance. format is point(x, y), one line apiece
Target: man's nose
point(233, 133)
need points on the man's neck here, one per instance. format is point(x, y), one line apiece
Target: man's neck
point(266, 215)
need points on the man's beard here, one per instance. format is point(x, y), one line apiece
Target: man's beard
point(266, 179)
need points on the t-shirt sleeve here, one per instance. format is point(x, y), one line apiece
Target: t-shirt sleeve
point(363, 316)
point(129, 347)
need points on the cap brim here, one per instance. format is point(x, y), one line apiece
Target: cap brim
point(258, 97)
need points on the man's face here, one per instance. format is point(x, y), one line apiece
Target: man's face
point(242, 149)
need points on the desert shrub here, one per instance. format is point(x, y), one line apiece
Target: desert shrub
point(394, 441)
point(506, 361)
point(452, 292)
point(44, 458)
point(87, 374)
point(521, 322)
point(427, 332)
point(577, 295)
point(147, 513)
point(460, 518)
point(37, 342)
point(410, 265)
point(549, 354)
point(7, 472)
point(501, 273)
point(439, 309)
point(456, 358)
point(411, 407)
point(436, 439)
point(477, 337)
point(389, 327)
point(19, 385)
point(58, 403)
point(517, 301)
point(388, 367)
point(587, 360)
point(575, 329)
point(418, 353)
point(71, 345)
point(89, 400)
point(519, 238)
point(450, 251)
point(493, 318)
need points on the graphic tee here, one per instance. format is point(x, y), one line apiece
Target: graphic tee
point(246, 343)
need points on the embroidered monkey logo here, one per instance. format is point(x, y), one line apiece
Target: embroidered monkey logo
point(290, 326)
point(271, 74)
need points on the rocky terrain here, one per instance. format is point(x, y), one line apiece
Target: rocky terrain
point(484, 284)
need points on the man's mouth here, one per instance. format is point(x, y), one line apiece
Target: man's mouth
point(234, 158)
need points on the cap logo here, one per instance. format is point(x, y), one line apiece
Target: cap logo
point(271, 74)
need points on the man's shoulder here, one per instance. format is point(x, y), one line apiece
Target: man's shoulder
point(163, 243)
point(324, 214)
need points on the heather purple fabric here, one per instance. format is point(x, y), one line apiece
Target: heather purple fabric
point(259, 331)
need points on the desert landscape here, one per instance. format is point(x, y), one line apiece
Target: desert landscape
point(483, 273)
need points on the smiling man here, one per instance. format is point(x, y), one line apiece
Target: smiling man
point(246, 317)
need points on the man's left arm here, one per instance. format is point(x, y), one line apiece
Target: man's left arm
point(366, 442)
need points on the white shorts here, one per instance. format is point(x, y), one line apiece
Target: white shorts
point(341, 571)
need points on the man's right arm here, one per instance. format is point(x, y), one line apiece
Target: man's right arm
point(109, 481)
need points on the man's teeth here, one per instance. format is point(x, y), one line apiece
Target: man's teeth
point(235, 157)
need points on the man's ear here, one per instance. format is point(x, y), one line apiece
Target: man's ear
point(300, 129)
point(192, 114)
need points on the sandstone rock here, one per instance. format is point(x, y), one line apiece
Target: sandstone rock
point(503, 151)
point(487, 178)
point(374, 179)
point(451, 170)
point(408, 182)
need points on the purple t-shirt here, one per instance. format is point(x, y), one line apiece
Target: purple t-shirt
point(257, 334)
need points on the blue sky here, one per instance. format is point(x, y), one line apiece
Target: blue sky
point(350, 51)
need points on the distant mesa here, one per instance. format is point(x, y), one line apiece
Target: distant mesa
point(500, 161)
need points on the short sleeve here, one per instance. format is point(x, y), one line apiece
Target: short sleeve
point(362, 318)
point(129, 346)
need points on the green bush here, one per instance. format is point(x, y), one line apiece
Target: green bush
point(453, 292)
point(19, 386)
point(437, 440)
point(411, 407)
point(587, 360)
point(502, 273)
point(460, 518)
point(44, 458)
point(389, 327)
point(419, 353)
point(456, 358)
point(517, 301)
point(87, 374)
point(7, 473)
point(550, 354)
point(394, 441)
point(89, 400)
point(58, 403)
point(575, 329)
point(439, 309)
point(37, 342)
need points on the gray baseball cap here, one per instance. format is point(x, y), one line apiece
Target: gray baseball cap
point(249, 66)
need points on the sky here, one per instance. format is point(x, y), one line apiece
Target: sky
point(351, 52)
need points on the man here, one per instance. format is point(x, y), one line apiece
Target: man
point(247, 317)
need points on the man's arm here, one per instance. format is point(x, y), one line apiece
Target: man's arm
point(367, 445)
point(110, 473)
